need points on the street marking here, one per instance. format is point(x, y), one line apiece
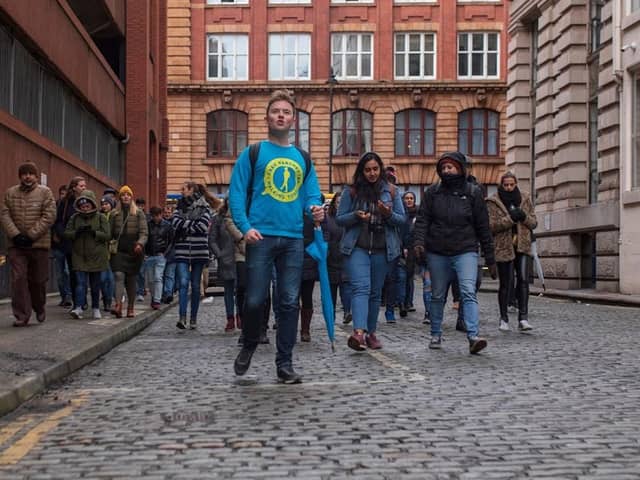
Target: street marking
point(388, 362)
point(10, 430)
point(24, 445)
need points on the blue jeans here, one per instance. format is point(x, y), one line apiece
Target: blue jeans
point(229, 297)
point(189, 274)
point(426, 289)
point(442, 269)
point(82, 278)
point(366, 273)
point(154, 271)
point(62, 273)
point(286, 254)
point(108, 285)
point(169, 279)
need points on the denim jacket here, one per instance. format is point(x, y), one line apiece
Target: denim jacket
point(347, 218)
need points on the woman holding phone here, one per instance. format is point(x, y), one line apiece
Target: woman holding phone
point(371, 211)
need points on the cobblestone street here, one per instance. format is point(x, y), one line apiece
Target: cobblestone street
point(561, 402)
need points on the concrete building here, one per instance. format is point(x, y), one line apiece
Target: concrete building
point(573, 135)
point(83, 92)
point(411, 80)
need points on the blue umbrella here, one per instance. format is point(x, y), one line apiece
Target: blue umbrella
point(318, 251)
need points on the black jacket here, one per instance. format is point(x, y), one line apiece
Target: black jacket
point(160, 238)
point(451, 222)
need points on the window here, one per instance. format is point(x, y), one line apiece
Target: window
point(352, 132)
point(415, 55)
point(299, 134)
point(635, 130)
point(635, 5)
point(352, 1)
point(275, 2)
point(596, 24)
point(6, 55)
point(289, 56)
point(226, 133)
point(478, 55)
point(352, 55)
point(415, 132)
point(479, 132)
point(228, 57)
point(226, 2)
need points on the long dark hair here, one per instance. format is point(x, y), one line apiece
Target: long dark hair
point(365, 190)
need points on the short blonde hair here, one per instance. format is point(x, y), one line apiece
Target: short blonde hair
point(281, 95)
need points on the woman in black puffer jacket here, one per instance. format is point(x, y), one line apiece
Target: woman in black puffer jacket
point(451, 222)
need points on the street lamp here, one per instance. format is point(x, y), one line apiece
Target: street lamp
point(332, 83)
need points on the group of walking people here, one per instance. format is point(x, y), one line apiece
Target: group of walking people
point(258, 235)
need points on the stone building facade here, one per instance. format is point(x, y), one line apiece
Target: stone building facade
point(410, 82)
point(570, 87)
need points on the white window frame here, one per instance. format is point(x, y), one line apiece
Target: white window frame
point(634, 6)
point(399, 2)
point(300, 51)
point(485, 53)
point(277, 2)
point(244, 56)
point(352, 1)
point(339, 72)
point(422, 52)
point(227, 2)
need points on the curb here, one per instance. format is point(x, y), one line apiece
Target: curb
point(583, 297)
point(37, 382)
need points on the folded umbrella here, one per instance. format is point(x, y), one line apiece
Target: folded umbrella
point(538, 265)
point(318, 251)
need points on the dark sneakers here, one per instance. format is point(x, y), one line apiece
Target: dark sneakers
point(288, 376)
point(476, 344)
point(243, 360)
point(372, 342)
point(357, 342)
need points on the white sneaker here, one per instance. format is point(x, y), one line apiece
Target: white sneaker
point(76, 313)
point(207, 300)
point(140, 298)
point(96, 314)
point(524, 326)
point(504, 326)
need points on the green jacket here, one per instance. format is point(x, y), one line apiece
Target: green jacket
point(89, 232)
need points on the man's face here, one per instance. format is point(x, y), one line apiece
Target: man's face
point(156, 218)
point(280, 117)
point(167, 213)
point(28, 179)
point(80, 187)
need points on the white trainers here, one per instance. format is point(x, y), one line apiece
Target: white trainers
point(207, 300)
point(76, 313)
point(139, 298)
point(524, 326)
point(96, 314)
point(504, 326)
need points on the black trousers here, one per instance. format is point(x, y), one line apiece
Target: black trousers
point(505, 275)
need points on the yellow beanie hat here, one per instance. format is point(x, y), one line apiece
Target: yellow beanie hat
point(125, 189)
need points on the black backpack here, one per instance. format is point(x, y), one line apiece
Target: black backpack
point(254, 151)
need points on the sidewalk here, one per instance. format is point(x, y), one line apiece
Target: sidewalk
point(34, 357)
point(584, 296)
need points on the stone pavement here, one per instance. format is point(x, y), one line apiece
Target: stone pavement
point(36, 356)
point(559, 403)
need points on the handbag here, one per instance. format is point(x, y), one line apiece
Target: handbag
point(113, 243)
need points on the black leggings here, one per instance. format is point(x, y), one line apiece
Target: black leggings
point(306, 294)
point(505, 274)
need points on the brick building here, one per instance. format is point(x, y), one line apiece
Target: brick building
point(411, 80)
point(83, 92)
point(574, 124)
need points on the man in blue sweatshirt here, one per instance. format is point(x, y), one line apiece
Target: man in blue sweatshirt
point(267, 202)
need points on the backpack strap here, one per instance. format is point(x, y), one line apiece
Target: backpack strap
point(254, 152)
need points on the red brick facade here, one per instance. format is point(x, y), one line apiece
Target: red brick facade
point(192, 96)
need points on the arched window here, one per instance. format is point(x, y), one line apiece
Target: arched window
point(479, 132)
point(226, 133)
point(352, 132)
point(415, 132)
point(299, 134)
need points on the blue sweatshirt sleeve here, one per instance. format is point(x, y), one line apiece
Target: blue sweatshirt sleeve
point(312, 191)
point(238, 187)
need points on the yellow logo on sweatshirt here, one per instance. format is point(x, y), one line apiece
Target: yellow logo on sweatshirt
point(282, 179)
